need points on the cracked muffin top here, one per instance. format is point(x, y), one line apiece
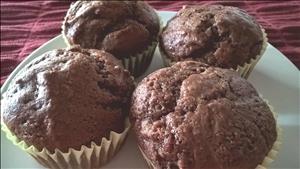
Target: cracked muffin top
point(68, 98)
point(119, 27)
point(190, 115)
point(218, 35)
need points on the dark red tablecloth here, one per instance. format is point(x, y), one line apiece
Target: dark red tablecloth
point(25, 25)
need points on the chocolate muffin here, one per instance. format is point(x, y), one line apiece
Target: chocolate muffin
point(191, 115)
point(68, 98)
point(221, 36)
point(127, 29)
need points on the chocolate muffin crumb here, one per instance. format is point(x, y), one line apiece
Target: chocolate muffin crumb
point(119, 27)
point(191, 115)
point(68, 98)
point(221, 36)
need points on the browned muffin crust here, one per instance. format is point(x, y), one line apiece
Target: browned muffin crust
point(68, 98)
point(119, 27)
point(194, 116)
point(220, 36)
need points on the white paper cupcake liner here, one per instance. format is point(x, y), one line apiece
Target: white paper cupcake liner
point(93, 156)
point(277, 144)
point(246, 69)
point(149, 163)
point(138, 64)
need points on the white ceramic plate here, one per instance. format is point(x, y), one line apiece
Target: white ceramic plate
point(275, 77)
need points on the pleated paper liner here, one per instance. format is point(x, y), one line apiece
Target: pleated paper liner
point(244, 70)
point(149, 163)
point(267, 160)
point(277, 144)
point(93, 156)
point(138, 64)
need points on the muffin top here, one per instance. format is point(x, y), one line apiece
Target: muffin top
point(220, 36)
point(119, 27)
point(194, 116)
point(68, 98)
